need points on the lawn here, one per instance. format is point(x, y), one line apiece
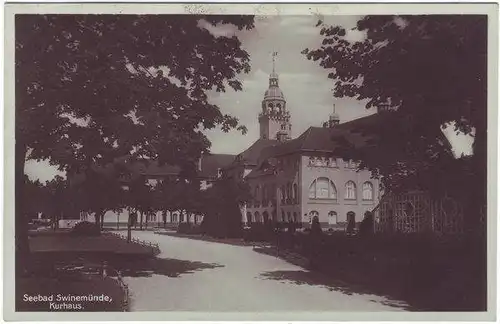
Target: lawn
point(65, 242)
point(64, 265)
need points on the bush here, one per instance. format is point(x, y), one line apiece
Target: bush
point(183, 228)
point(188, 228)
point(86, 229)
point(260, 232)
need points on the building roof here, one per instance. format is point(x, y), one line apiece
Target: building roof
point(322, 139)
point(274, 93)
point(252, 154)
point(211, 163)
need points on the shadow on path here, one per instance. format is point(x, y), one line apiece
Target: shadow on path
point(165, 267)
point(304, 277)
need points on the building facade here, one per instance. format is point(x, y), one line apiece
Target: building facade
point(302, 178)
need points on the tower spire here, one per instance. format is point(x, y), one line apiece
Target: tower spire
point(274, 61)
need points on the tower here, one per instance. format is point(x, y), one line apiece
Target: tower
point(333, 120)
point(274, 119)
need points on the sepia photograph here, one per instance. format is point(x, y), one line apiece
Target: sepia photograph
point(260, 159)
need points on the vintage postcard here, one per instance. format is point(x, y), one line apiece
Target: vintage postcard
point(250, 161)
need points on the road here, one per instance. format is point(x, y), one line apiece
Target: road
point(208, 276)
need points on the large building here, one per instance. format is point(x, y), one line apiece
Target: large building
point(298, 179)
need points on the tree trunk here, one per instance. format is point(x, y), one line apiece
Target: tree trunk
point(140, 227)
point(164, 219)
point(102, 220)
point(147, 219)
point(98, 217)
point(477, 197)
point(21, 224)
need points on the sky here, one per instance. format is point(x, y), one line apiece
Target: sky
point(305, 85)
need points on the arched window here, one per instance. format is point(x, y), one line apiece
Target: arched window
point(350, 190)
point(367, 191)
point(332, 218)
point(249, 217)
point(295, 193)
point(283, 216)
point(257, 217)
point(289, 216)
point(270, 105)
point(322, 188)
point(264, 195)
point(295, 217)
point(283, 194)
point(313, 214)
point(257, 192)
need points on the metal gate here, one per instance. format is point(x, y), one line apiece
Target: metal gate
point(416, 212)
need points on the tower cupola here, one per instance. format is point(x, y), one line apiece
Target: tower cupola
point(274, 117)
point(333, 119)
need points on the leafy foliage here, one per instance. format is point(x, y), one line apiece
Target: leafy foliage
point(425, 72)
point(86, 229)
point(93, 88)
point(96, 87)
point(222, 201)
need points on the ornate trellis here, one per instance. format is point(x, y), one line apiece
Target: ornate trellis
point(416, 211)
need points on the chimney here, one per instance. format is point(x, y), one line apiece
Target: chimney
point(281, 136)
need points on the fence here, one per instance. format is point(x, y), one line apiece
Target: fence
point(416, 212)
point(155, 248)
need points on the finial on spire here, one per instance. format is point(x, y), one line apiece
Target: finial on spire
point(334, 108)
point(274, 60)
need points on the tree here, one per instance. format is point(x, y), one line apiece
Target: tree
point(58, 199)
point(221, 207)
point(99, 189)
point(427, 72)
point(91, 88)
point(178, 194)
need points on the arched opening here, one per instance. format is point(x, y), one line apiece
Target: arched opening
point(367, 191)
point(332, 218)
point(257, 217)
point(266, 217)
point(322, 188)
point(313, 214)
point(350, 190)
point(249, 218)
point(351, 222)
